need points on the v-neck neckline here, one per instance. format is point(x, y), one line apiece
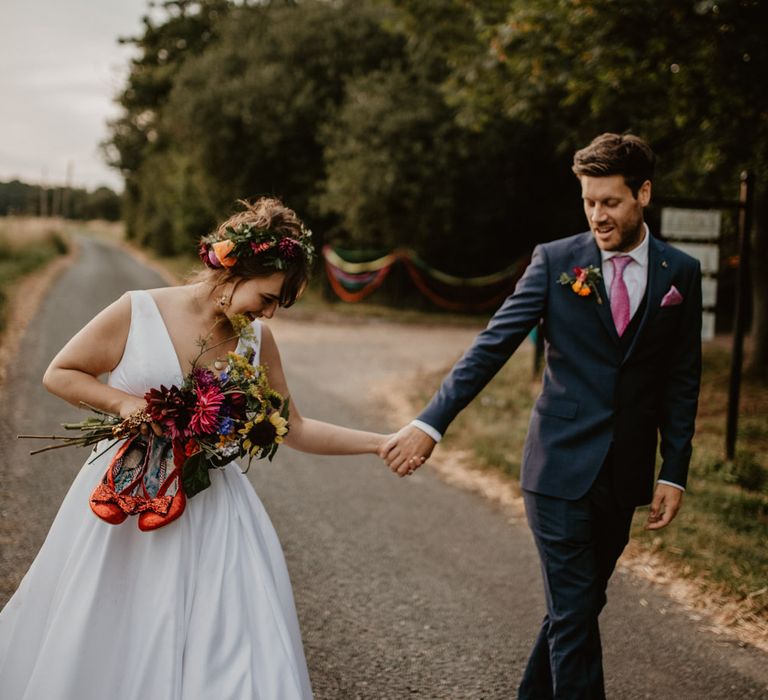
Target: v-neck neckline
point(174, 352)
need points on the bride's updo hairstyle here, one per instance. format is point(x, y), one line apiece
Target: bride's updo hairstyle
point(265, 238)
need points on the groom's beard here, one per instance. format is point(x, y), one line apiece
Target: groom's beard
point(626, 235)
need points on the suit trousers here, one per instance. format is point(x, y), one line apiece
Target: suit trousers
point(578, 543)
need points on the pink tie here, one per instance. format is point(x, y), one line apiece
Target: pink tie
point(619, 293)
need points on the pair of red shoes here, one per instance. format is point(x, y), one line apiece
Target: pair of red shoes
point(122, 490)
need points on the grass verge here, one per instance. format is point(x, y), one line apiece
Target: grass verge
point(26, 245)
point(718, 540)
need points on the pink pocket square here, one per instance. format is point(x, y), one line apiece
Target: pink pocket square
point(672, 297)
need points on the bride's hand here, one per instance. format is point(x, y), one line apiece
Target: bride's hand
point(133, 405)
point(406, 450)
point(382, 440)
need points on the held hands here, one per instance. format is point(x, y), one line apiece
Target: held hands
point(664, 507)
point(406, 450)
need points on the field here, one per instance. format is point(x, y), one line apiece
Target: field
point(26, 244)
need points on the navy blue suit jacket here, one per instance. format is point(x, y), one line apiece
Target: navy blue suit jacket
point(595, 394)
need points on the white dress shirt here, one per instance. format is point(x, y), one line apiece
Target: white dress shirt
point(635, 273)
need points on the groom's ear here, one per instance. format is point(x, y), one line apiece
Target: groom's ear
point(644, 194)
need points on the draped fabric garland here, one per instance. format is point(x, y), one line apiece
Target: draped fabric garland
point(354, 275)
point(354, 281)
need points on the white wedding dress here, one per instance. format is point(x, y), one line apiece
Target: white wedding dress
point(201, 609)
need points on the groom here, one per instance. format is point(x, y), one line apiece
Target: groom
point(621, 315)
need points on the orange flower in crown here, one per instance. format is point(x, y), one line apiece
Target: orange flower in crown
point(222, 250)
point(274, 248)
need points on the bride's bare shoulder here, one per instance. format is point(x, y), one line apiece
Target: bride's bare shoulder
point(171, 293)
point(170, 297)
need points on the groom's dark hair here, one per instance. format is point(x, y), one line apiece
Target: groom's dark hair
point(617, 154)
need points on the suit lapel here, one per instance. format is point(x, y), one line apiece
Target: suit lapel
point(659, 279)
point(588, 254)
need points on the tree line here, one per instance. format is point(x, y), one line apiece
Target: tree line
point(445, 126)
point(22, 199)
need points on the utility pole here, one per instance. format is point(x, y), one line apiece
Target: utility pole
point(43, 195)
point(56, 202)
point(740, 315)
point(67, 208)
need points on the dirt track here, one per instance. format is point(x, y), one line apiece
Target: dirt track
point(404, 587)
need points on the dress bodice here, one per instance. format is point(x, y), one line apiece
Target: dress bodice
point(149, 358)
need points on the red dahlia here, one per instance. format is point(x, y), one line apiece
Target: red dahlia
point(205, 414)
point(171, 409)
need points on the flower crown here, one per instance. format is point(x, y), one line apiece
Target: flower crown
point(273, 248)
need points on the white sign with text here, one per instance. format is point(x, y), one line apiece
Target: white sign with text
point(690, 224)
point(687, 230)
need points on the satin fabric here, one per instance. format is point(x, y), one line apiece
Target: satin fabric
point(201, 609)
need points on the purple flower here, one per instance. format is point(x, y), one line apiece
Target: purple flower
point(289, 247)
point(213, 259)
point(204, 378)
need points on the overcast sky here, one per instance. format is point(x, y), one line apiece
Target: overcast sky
point(60, 68)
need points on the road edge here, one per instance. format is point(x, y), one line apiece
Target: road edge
point(24, 302)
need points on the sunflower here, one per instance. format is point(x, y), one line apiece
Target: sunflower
point(262, 432)
point(281, 426)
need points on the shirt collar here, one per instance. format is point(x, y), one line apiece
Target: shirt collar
point(639, 254)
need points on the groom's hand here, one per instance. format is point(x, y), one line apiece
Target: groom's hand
point(407, 450)
point(666, 502)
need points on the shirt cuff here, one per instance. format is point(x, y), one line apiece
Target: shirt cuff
point(670, 483)
point(428, 429)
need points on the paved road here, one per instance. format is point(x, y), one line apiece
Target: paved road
point(405, 588)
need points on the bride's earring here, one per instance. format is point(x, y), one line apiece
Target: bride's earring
point(223, 301)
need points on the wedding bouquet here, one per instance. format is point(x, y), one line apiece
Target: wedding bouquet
point(211, 418)
point(214, 417)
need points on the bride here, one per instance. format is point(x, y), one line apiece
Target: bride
point(200, 608)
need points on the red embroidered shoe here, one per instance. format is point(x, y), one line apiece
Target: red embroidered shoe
point(164, 508)
point(111, 500)
point(169, 501)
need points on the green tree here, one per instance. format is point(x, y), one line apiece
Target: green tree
point(17, 197)
point(102, 203)
point(390, 156)
point(242, 117)
point(689, 76)
point(254, 104)
point(402, 172)
point(20, 198)
point(402, 169)
point(137, 146)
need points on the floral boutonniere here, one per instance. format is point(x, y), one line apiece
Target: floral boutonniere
point(583, 281)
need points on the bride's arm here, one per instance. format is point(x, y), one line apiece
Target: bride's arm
point(96, 349)
point(307, 434)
